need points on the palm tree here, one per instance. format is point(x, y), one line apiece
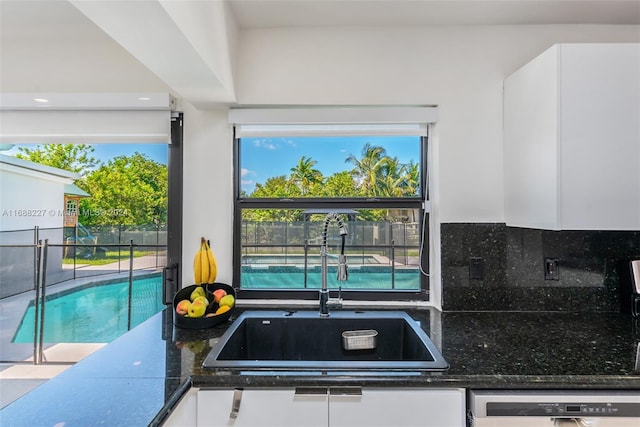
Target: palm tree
point(412, 179)
point(304, 175)
point(367, 168)
point(392, 178)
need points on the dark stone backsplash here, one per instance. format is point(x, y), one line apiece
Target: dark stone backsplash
point(593, 268)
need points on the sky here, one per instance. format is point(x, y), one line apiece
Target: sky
point(105, 152)
point(263, 158)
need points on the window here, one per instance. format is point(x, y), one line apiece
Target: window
point(72, 207)
point(289, 177)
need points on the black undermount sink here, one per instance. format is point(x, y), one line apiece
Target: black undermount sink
point(302, 340)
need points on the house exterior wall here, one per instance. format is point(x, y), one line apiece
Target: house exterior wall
point(30, 199)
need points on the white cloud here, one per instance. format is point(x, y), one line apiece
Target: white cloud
point(245, 172)
point(265, 143)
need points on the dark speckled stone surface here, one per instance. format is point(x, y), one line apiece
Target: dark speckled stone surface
point(130, 380)
point(593, 268)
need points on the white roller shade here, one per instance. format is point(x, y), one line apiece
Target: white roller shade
point(308, 121)
point(85, 118)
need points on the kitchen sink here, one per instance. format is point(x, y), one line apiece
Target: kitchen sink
point(303, 340)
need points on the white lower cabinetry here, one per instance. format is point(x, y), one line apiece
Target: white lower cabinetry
point(334, 407)
point(184, 414)
point(384, 407)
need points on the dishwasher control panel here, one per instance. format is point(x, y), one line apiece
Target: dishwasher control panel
point(562, 409)
point(558, 404)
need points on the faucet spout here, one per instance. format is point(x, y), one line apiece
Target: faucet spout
point(343, 272)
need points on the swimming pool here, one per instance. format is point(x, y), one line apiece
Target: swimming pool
point(299, 259)
point(291, 277)
point(95, 313)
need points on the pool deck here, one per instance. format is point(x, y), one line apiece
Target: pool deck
point(17, 379)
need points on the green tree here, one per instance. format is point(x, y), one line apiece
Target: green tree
point(128, 190)
point(340, 184)
point(71, 157)
point(412, 179)
point(276, 187)
point(391, 180)
point(305, 176)
point(367, 168)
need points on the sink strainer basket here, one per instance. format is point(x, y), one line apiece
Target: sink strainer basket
point(364, 339)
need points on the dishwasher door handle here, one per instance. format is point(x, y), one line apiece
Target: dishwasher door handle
point(573, 422)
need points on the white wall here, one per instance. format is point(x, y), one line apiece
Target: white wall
point(208, 189)
point(30, 199)
point(459, 69)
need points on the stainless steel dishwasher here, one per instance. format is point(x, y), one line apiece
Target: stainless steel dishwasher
point(510, 408)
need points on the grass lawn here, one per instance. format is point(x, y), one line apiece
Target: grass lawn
point(108, 258)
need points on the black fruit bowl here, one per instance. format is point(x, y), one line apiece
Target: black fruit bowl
point(201, 322)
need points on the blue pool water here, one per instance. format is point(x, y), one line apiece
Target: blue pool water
point(299, 259)
point(283, 277)
point(94, 314)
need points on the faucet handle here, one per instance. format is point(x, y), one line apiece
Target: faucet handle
point(343, 270)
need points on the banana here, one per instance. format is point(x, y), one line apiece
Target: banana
point(205, 268)
point(197, 266)
point(213, 265)
point(204, 261)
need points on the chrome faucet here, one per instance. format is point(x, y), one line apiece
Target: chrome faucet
point(343, 272)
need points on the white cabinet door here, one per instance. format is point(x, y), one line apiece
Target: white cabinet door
point(184, 415)
point(572, 139)
point(262, 408)
point(385, 407)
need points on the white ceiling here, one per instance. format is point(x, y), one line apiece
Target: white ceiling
point(19, 17)
point(301, 13)
point(116, 35)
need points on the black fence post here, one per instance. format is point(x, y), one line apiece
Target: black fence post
point(130, 285)
point(393, 265)
point(306, 252)
point(119, 247)
point(36, 302)
point(36, 237)
point(157, 244)
point(43, 281)
point(75, 242)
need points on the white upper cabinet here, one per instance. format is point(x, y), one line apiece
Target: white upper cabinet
point(572, 139)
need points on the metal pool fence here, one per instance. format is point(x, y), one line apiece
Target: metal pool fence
point(377, 245)
point(28, 271)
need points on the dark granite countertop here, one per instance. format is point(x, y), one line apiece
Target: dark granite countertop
point(129, 381)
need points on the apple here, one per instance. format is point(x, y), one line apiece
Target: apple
point(227, 300)
point(197, 308)
point(197, 292)
point(182, 307)
point(218, 294)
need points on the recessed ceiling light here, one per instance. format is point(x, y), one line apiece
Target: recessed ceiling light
point(144, 99)
point(40, 100)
